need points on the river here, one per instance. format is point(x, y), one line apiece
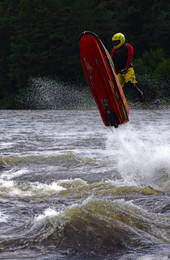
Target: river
point(71, 188)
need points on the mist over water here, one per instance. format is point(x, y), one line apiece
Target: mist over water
point(50, 94)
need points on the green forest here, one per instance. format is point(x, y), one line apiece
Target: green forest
point(40, 39)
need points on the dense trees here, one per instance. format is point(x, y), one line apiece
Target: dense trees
point(39, 38)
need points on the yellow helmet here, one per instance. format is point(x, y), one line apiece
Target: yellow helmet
point(120, 38)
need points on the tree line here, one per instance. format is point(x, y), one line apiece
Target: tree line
point(40, 38)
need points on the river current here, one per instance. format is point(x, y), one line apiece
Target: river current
point(71, 188)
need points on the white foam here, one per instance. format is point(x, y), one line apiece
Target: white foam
point(48, 213)
point(28, 189)
point(3, 218)
point(141, 154)
point(12, 173)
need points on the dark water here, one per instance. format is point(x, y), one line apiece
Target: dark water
point(71, 188)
